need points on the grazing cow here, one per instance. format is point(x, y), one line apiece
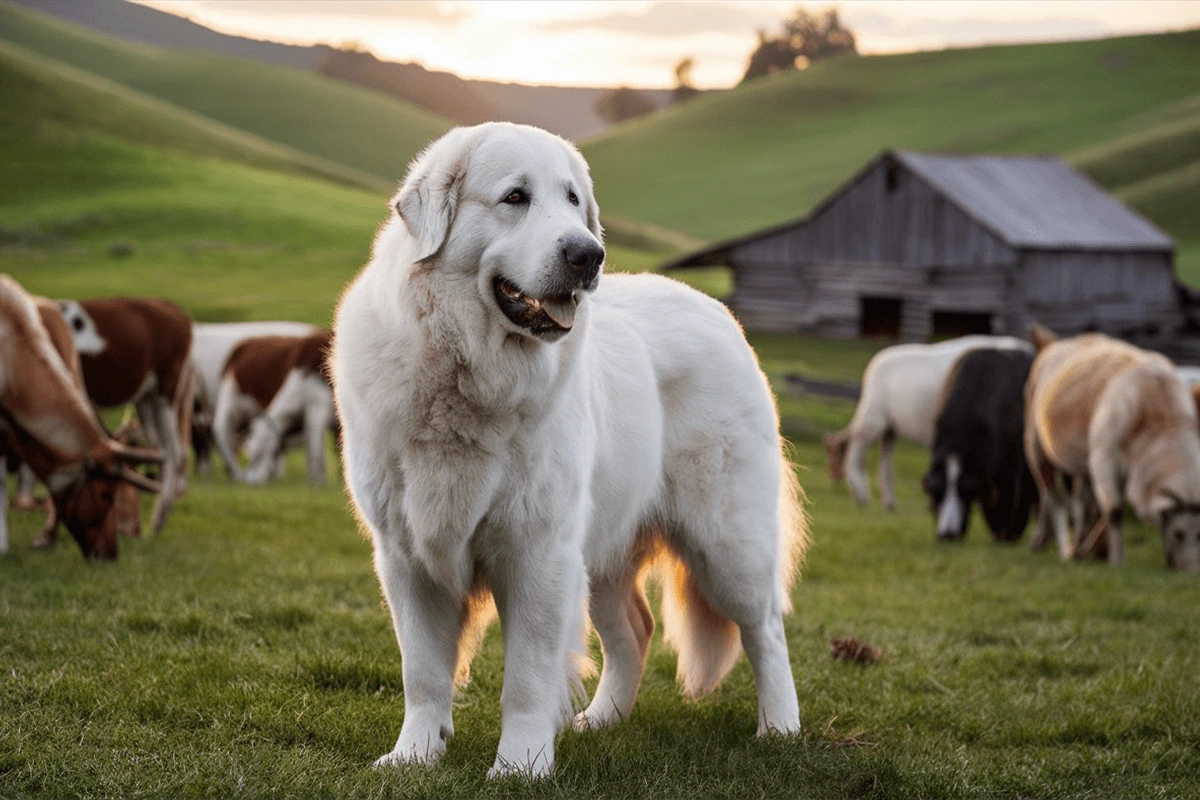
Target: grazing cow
point(46, 422)
point(1104, 410)
point(278, 387)
point(137, 350)
point(978, 450)
point(900, 392)
point(212, 342)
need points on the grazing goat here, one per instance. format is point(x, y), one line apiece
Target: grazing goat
point(46, 422)
point(900, 392)
point(1102, 410)
point(138, 350)
point(277, 386)
point(978, 450)
point(212, 342)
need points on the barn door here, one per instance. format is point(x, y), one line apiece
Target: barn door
point(879, 317)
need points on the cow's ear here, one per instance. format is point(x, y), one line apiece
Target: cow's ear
point(428, 198)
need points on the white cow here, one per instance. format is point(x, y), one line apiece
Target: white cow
point(901, 391)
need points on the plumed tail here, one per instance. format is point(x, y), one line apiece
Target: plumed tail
point(707, 644)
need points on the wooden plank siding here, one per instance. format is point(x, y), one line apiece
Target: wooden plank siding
point(908, 243)
point(890, 234)
point(1118, 292)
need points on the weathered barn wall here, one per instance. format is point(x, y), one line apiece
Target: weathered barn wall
point(906, 242)
point(1117, 292)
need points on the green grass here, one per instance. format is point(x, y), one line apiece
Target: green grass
point(246, 652)
point(360, 129)
point(732, 162)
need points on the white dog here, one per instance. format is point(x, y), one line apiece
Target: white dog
point(517, 429)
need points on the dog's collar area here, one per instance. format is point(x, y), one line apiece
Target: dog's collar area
point(547, 318)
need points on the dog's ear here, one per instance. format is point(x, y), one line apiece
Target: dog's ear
point(428, 198)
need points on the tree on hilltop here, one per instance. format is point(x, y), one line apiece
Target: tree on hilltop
point(804, 38)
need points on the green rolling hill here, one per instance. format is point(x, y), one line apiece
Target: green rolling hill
point(363, 130)
point(227, 224)
point(766, 152)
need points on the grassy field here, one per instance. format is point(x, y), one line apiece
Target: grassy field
point(246, 651)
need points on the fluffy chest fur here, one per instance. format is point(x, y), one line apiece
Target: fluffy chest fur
point(441, 430)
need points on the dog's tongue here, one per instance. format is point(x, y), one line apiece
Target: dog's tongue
point(561, 310)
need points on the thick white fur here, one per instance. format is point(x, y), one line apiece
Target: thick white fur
point(554, 474)
point(901, 389)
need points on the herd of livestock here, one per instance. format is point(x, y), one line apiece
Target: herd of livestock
point(260, 387)
point(1074, 427)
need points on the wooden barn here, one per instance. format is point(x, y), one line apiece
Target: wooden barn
point(918, 245)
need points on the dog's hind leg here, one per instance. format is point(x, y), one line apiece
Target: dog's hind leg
point(623, 620)
point(730, 548)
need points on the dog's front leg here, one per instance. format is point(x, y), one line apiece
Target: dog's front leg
point(541, 600)
point(428, 620)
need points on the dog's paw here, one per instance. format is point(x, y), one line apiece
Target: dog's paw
point(424, 756)
point(780, 728)
point(540, 768)
point(593, 719)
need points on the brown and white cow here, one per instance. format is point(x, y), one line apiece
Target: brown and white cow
point(138, 350)
point(1103, 411)
point(278, 387)
point(46, 422)
point(212, 343)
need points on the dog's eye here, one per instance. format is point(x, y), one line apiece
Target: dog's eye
point(516, 197)
point(572, 198)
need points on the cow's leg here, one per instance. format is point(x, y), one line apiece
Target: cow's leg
point(182, 409)
point(856, 464)
point(1106, 484)
point(1052, 512)
point(887, 445)
point(26, 480)
point(159, 422)
point(317, 416)
point(3, 505)
point(226, 419)
point(48, 535)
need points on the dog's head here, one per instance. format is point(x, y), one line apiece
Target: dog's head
point(510, 207)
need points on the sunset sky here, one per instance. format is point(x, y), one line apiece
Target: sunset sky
point(636, 42)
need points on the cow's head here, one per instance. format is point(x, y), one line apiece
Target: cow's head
point(102, 503)
point(1179, 523)
point(835, 450)
point(951, 488)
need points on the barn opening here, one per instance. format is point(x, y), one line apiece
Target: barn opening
point(961, 323)
point(880, 316)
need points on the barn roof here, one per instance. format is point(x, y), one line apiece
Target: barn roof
point(1036, 202)
point(1029, 202)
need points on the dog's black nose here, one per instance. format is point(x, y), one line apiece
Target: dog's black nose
point(584, 254)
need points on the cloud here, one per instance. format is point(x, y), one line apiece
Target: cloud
point(675, 19)
point(441, 13)
point(969, 29)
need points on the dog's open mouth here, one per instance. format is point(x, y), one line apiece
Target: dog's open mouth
point(546, 317)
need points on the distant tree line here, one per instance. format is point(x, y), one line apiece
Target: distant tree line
point(804, 37)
